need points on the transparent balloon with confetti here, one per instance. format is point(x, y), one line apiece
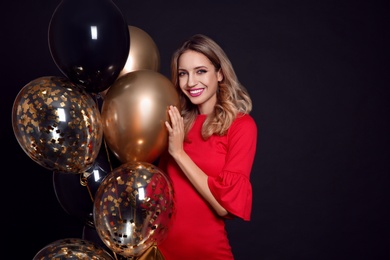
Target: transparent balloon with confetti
point(57, 124)
point(133, 208)
point(72, 248)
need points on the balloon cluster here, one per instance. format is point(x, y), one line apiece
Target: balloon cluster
point(101, 154)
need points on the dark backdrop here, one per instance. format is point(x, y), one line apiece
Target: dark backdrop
point(318, 73)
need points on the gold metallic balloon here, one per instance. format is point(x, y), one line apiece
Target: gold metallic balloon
point(134, 208)
point(133, 114)
point(72, 248)
point(57, 124)
point(143, 52)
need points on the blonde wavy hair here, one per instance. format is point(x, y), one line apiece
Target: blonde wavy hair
point(232, 98)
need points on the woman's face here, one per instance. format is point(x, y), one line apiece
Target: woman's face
point(198, 80)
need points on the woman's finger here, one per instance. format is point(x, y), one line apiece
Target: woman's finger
point(169, 128)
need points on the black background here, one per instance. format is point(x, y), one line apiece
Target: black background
point(318, 73)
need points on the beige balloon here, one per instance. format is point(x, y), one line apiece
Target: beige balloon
point(143, 52)
point(133, 115)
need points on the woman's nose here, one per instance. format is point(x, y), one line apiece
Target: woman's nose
point(192, 81)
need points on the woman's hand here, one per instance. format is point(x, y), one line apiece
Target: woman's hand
point(175, 132)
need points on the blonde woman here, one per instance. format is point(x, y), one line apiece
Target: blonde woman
point(211, 148)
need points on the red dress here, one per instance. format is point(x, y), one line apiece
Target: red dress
point(196, 231)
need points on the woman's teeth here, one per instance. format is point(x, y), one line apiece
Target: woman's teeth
point(195, 92)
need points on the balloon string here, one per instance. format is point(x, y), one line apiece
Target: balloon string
point(107, 153)
point(97, 96)
point(84, 182)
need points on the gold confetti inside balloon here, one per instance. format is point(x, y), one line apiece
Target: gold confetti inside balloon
point(133, 208)
point(72, 248)
point(57, 124)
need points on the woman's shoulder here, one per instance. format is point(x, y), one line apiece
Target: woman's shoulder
point(244, 122)
point(246, 119)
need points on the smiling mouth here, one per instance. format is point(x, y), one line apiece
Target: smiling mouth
point(196, 92)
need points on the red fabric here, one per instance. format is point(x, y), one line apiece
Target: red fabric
point(196, 232)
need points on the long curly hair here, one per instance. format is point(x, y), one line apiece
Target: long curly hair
point(232, 97)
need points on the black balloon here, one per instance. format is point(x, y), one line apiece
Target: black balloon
point(89, 42)
point(73, 197)
point(76, 192)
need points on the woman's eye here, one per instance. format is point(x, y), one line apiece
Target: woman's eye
point(201, 71)
point(181, 73)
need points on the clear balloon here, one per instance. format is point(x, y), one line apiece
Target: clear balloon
point(152, 253)
point(57, 124)
point(72, 248)
point(133, 115)
point(89, 42)
point(143, 53)
point(133, 208)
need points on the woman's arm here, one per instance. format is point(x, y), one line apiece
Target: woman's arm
point(194, 174)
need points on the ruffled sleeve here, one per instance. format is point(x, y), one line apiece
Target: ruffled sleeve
point(232, 187)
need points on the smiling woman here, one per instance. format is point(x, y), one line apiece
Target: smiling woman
point(212, 145)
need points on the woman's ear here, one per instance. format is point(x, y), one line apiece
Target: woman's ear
point(220, 75)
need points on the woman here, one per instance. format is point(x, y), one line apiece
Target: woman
point(211, 148)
